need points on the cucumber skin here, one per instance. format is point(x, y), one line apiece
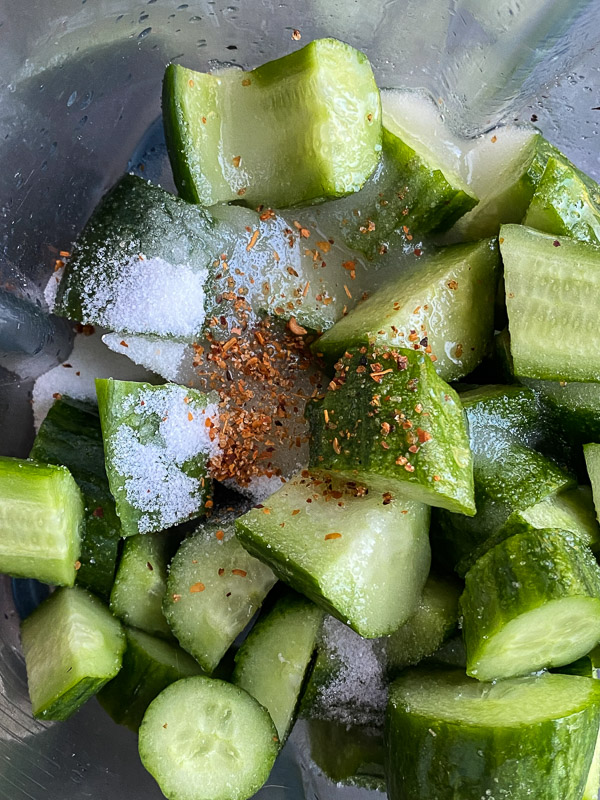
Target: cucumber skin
point(442, 471)
point(351, 756)
point(519, 575)
point(127, 696)
point(431, 759)
point(71, 435)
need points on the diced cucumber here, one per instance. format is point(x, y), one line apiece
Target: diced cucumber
point(156, 445)
point(390, 422)
point(72, 646)
point(450, 654)
point(272, 662)
point(532, 601)
point(513, 409)
point(71, 435)
point(552, 289)
point(149, 666)
point(41, 515)
point(434, 621)
point(450, 737)
point(214, 589)
point(564, 205)
point(574, 407)
point(443, 306)
point(362, 556)
point(141, 582)
point(204, 739)
point(235, 135)
point(592, 462)
point(348, 755)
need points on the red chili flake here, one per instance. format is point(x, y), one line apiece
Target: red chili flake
point(556, 243)
point(220, 535)
point(417, 251)
point(197, 587)
point(241, 572)
point(221, 571)
point(333, 536)
point(176, 598)
point(98, 512)
point(150, 567)
point(296, 35)
point(78, 565)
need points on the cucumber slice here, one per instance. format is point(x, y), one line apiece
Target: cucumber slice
point(363, 557)
point(41, 515)
point(149, 666)
point(513, 409)
point(557, 293)
point(141, 582)
point(71, 435)
point(214, 589)
point(157, 446)
point(564, 205)
point(532, 601)
point(403, 430)
point(234, 134)
point(348, 755)
point(443, 306)
point(272, 662)
point(592, 462)
point(72, 646)
point(434, 621)
point(204, 739)
point(449, 737)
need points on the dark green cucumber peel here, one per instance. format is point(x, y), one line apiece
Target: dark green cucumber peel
point(402, 430)
point(565, 204)
point(592, 462)
point(71, 435)
point(234, 136)
point(72, 646)
point(351, 756)
point(558, 293)
point(448, 736)
point(273, 661)
point(531, 602)
point(213, 590)
point(41, 518)
point(443, 306)
point(149, 666)
point(361, 555)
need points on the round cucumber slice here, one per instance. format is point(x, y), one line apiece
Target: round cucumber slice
point(204, 739)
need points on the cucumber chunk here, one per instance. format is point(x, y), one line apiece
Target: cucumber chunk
point(443, 306)
point(273, 661)
point(149, 666)
point(448, 736)
point(72, 646)
point(513, 409)
point(234, 135)
point(558, 292)
point(401, 430)
point(592, 462)
point(214, 589)
point(574, 408)
point(362, 556)
point(434, 621)
point(71, 435)
point(41, 515)
point(532, 601)
point(564, 205)
point(204, 739)
point(348, 755)
point(157, 446)
point(141, 582)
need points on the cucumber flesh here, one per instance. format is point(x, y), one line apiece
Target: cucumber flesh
point(402, 432)
point(204, 739)
point(234, 135)
point(72, 646)
point(140, 583)
point(71, 435)
point(434, 621)
point(149, 666)
point(214, 589)
point(363, 557)
point(559, 292)
point(532, 601)
point(443, 306)
point(448, 736)
point(157, 445)
point(41, 516)
point(272, 662)
point(592, 462)
point(564, 205)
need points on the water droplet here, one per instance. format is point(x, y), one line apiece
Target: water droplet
point(86, 100)
point(72, 99)
point(143, 17)
point(144, 33)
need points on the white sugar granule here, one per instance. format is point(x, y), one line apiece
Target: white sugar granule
point(155, 480)
point(88, 360)
point(150, 296)
point(162, 356)
point(357, 694)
